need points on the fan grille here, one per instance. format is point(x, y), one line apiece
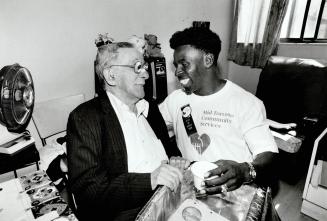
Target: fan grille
point(17, 97)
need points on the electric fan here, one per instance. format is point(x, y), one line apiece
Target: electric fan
point(17, 97)
point(16, 106)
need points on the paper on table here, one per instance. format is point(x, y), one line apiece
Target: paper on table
point(34, 180)
point(48, 216)
point(13, 202)
point(7, 136)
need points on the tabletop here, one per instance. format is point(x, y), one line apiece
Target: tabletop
point(32, 197)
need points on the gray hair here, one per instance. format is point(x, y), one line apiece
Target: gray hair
point(105, 55)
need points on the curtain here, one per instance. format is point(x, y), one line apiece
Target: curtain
point(255, 31)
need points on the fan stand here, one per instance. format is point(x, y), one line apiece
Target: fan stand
point(16, 106)
point(6, 135)
point(17, 147)
point(10, 142)
point(23, 153)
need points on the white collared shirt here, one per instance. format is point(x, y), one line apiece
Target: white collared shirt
point(144, 150)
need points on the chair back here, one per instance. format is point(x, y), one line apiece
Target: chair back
point(293, 88)
point(50, 117)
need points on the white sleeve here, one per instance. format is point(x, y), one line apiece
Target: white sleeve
point(260, 139)
point(256, 130)
point(166, 114)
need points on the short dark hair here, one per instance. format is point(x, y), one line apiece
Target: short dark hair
point(199, 37)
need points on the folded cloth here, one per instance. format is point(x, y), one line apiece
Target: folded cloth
point(49, 152)
point(53, 161)
point(287, 142)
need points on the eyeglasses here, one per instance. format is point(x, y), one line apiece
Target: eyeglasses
point(138, 66)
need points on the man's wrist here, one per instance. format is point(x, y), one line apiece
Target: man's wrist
point(251, 174)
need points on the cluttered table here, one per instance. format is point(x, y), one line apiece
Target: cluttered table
point(32, 197)
point(248, 203)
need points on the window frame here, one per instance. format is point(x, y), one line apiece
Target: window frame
point(301, 39)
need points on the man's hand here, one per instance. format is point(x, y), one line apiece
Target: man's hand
point(179, 162)
point(231, 175)
point(166, 175)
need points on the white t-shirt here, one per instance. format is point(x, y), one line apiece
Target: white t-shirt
point(144, 150)
point(230, 124)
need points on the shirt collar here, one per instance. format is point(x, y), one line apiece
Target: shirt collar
point(142, 106)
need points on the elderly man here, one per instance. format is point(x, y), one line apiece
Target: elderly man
point(214, 119)
point(117, 143)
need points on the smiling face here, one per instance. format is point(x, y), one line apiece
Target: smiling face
point(129, 86)
point(189, 66)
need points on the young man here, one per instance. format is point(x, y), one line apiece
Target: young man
point(214, 119)
point(116, 143)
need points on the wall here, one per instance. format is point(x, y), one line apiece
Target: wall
point(54, 39)
point(244, 76)
point(315, 51)
point(248, 77)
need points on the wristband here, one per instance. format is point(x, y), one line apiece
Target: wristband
point(252, 172)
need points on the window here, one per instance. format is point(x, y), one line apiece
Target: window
point(305, 21)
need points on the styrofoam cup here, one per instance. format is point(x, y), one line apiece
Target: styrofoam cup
point(198, 170)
